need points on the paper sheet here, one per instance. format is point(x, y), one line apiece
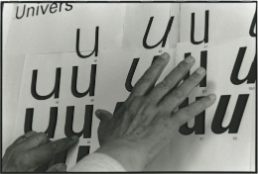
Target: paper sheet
point(174, 35)
point(52, 32)
point(12, 75)
point(7, 19)
point(223, 21)
point(149, 24)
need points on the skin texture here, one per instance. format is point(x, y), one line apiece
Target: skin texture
point(136, 133)
point(26, 155)
point(147, 121)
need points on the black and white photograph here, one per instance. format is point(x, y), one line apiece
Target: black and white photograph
point(129, 86)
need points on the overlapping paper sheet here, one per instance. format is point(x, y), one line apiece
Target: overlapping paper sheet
point(57, 32)
point(158, 18)
point(215, 22)
point(12, 77)
point(130, 36)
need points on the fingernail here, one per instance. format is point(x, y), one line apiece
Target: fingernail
point(165, 56)
point(200, 70)
point(74, 137)
point(61, 167)
point(212, 96)
point(97, 112)
point(189, 59)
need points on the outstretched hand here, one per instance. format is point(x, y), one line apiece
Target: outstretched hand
point(147, 121)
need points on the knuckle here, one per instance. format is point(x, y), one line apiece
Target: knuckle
point(53, 146)
point(187, 112)
point(147, 101)
point(166, 123)
point(203, 104)
point(22, 160)
point(194, 78)
point(145, 79)
point(42, 136)
point(166, 84)
point(132, 102)
point(30, 133)
point(139, 87)
point(179, 120)
point(148, 109)
point(158, 62)
point(182, 66)
point(139, 106)
point(132, 111)
point(162, 108)
point(184, 117)
point(177, 93)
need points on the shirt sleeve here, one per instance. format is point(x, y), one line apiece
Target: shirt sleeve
point(98, 162)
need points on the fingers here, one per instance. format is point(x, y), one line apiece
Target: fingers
point(178, 95)
point(61, 167)
point(150, 76)
point(103, 115)
point(187, 113)
point(47, 151)
point(35, 151)
point(23, 137)
point(35, 140)
point(172, 79)
point(20, 140)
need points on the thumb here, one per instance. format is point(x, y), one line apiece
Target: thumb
point(61, 167)
point(103, 115)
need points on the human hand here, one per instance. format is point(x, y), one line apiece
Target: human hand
point(32, 150)
point(147, 121)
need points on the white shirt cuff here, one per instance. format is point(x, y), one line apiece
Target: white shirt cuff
point(98, 162)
